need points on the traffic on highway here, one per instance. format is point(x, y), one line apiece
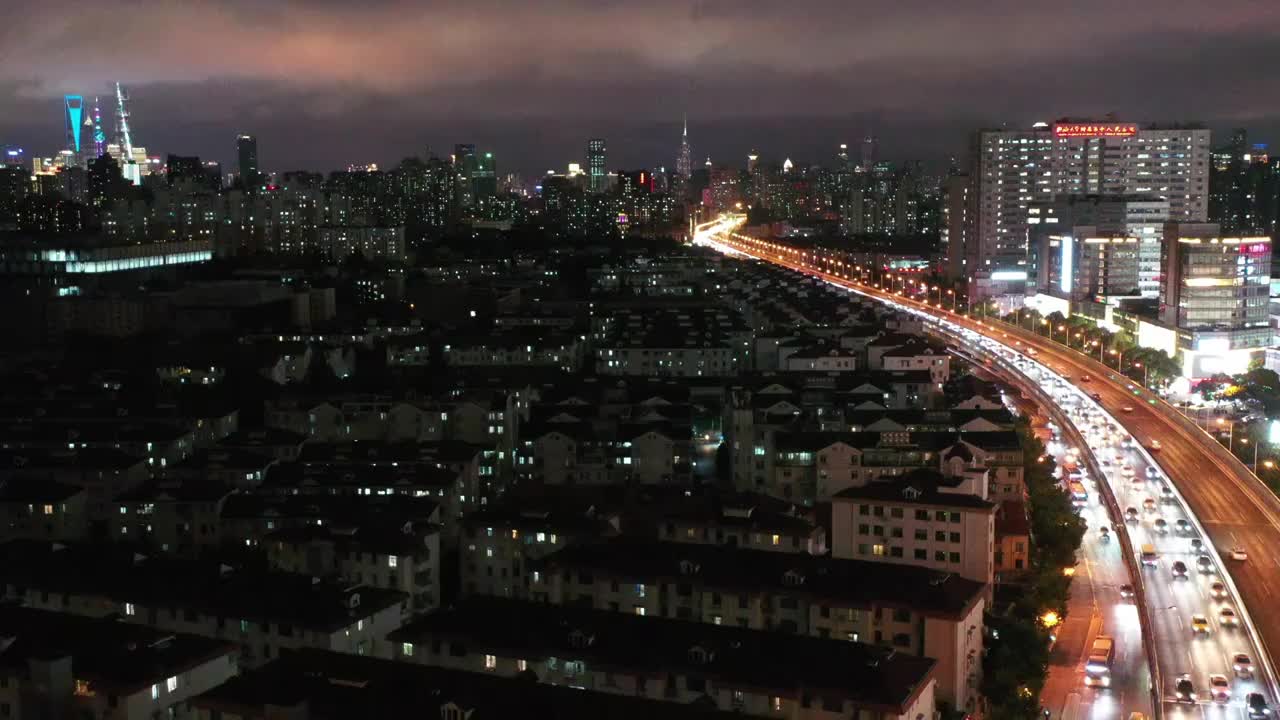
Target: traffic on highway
point(1207, 653)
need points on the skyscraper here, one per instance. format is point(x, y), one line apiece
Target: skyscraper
point(684, 162)
point(73, 112)
point(868, 152)
point(247, 154)
point(597, 175)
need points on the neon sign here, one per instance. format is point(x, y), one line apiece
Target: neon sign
point(1089, 130)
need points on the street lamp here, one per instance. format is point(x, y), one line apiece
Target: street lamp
point(1231, 432)
point(1145, 368)
point(1255, 454)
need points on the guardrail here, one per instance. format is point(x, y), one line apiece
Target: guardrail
point(1146, 619)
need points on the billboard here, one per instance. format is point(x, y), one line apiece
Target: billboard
point(1092, 130)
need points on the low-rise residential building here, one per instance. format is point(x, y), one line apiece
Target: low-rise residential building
point(56, 665)
point(762, 673)
point(261, 612)
point(1013, 539)
point(181, 517)
point(43, 510)
point(404, 559)
point(320, 685)
point(912, 609)
point(746, 520)
point(923, 519)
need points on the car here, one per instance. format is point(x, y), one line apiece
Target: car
point(1127, 408)
point(1219, 688)
point(1154, 446)
point(1131, 514)
point(1096, 397)
point(1149, 505)
point(1119, 459)
point(1182, 525)
point(1105, 532)
point(1085, 378)
point(1184, 691)
point(1199, 624)
point(1227, 617)
point(1152, 472)
point(1217, 589)
point(1161, 525)
point(1104, 461)
point(1126, 470)
point(1197, 545)
point(1238, 553)
point(1205, 563)
point(1242, 665)
point(1179, 569)
point(1166, 492)
point(1126, 591)
point(1257, 705)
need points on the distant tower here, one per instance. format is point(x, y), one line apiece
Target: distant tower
point(128, 164)
point(684, 162)
point(753, 161)
point(99, 135)
point(597, 175)
point(868, 152)
point(843, 156)
point(73, 110)
point(247, 154)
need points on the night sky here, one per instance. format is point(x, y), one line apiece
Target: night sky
point(330, 82)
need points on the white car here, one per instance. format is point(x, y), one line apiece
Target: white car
point(1242, 665)
point(1220, 688)
point(1238, 553)
point(1227, 618)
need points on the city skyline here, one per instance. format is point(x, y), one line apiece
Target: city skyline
point(791, 86)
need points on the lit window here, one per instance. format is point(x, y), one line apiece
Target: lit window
point(777, 540)
point(48, 509)
point(392, 561)
point(129, 609)
point(542, 537)
point(639, 609)
point(155, 691)
point(522, 665)
point(406, 649)
point(172, 683)
point(359, 625)
point(490, 662)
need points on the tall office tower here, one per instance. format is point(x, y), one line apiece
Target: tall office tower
point(74, 117)
point(247, 155)
point(484, 181)
point(1017, 169)
point(597, 175)
point(1139, 218)
point(99, 135)
point(464, 165)
point(869, 144)
point(1214, 291)
point(684, 161)
point(842, 157)
point(130, 168)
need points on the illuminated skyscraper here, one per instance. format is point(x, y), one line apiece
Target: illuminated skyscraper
point(684, 162)
point(73, 111)
point(247, 154)
point(99, 135)
point(597, 176)
point(129, 166)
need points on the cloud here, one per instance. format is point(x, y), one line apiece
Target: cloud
point(336, 79)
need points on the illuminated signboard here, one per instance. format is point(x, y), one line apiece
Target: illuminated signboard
point(1088, 130)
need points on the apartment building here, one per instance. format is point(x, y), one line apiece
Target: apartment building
point(747, 520)
point(912, 609)
point(332, 686)
point(64, 665)
point(759, 673)
point(922, 518)
point(260, 612)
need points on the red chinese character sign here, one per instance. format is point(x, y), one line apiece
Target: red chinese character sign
point(1090, 130)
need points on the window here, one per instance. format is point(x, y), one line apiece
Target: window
point(922, 534)
point(863, 529)
point(895, 513)
point(639, 609)
point(48, 509)
point(172, 684)
point(155, 691)
point(940, 515)
point(776, 703)
point(895, 532)
point(864, 509)
point(955, 557)
point(954, 537)
point(901, 615)
point(940, 556)
point(490, 662)
point(955, 518)
point(877, 550)
point(895, 552)
point(878, 511)
point(777, 540)
point(392, 561)
point(522, 665)
point(130, 610)
point(922, 514)
point(639, 589)
point(921, 554)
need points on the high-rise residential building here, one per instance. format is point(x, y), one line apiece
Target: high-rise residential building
point(869, 144)
point(1244, 187)
point(1214, 294)
point(684, 161)
point(476, 173)
point(1014, 170)
point(597, 174)
point(247, 158)
point(957, 208)
point(484, 180)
